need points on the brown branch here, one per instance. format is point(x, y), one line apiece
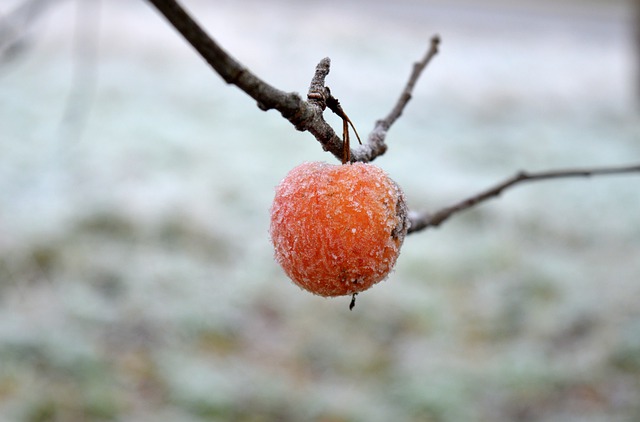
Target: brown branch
point(304, 115)
point(376, 142)
point(227, 67)
point(425, 220)
point(418, 67)
point(317, 97)
point(307, 115)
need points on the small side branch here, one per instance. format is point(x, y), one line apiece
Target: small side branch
point(422, 221)
point(318, 97)
point(318, 93)
point(376, 142)
point(418, 68)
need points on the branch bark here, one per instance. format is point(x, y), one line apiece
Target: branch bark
point(304, 115)
point(425, 220)
point(232, 71)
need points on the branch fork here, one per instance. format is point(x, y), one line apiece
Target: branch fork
point(308, 115)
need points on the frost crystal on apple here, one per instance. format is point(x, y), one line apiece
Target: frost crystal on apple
point(337, 229)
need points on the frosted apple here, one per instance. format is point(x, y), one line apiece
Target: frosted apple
point(337, 229)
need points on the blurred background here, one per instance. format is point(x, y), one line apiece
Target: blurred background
point(137, 281)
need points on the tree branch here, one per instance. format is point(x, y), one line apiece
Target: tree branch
point(405, 96)
point(317, 98)
point(304, 115)
point(376, 144)
point(425, 220)
point(307, 115)
point(226, 66)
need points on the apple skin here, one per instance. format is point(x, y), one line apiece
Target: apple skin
point(337, 229)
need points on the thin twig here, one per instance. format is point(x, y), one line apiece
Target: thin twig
point(425, 220)
point(418, 68)
point(376, 142)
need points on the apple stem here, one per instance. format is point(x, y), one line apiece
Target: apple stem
point(334, 105)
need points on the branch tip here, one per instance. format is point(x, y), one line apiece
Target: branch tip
point(421, 221)
point(379, 133)
point(435, 42)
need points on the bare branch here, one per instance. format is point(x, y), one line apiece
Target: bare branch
point(418, 67)
point(317, 97)
point(267, 97)
point(317, 91)
point(307, 115)
point(304, 115)
point(376, 142)
point(425, 220)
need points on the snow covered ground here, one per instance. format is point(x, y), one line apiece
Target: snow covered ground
point(136, 274)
